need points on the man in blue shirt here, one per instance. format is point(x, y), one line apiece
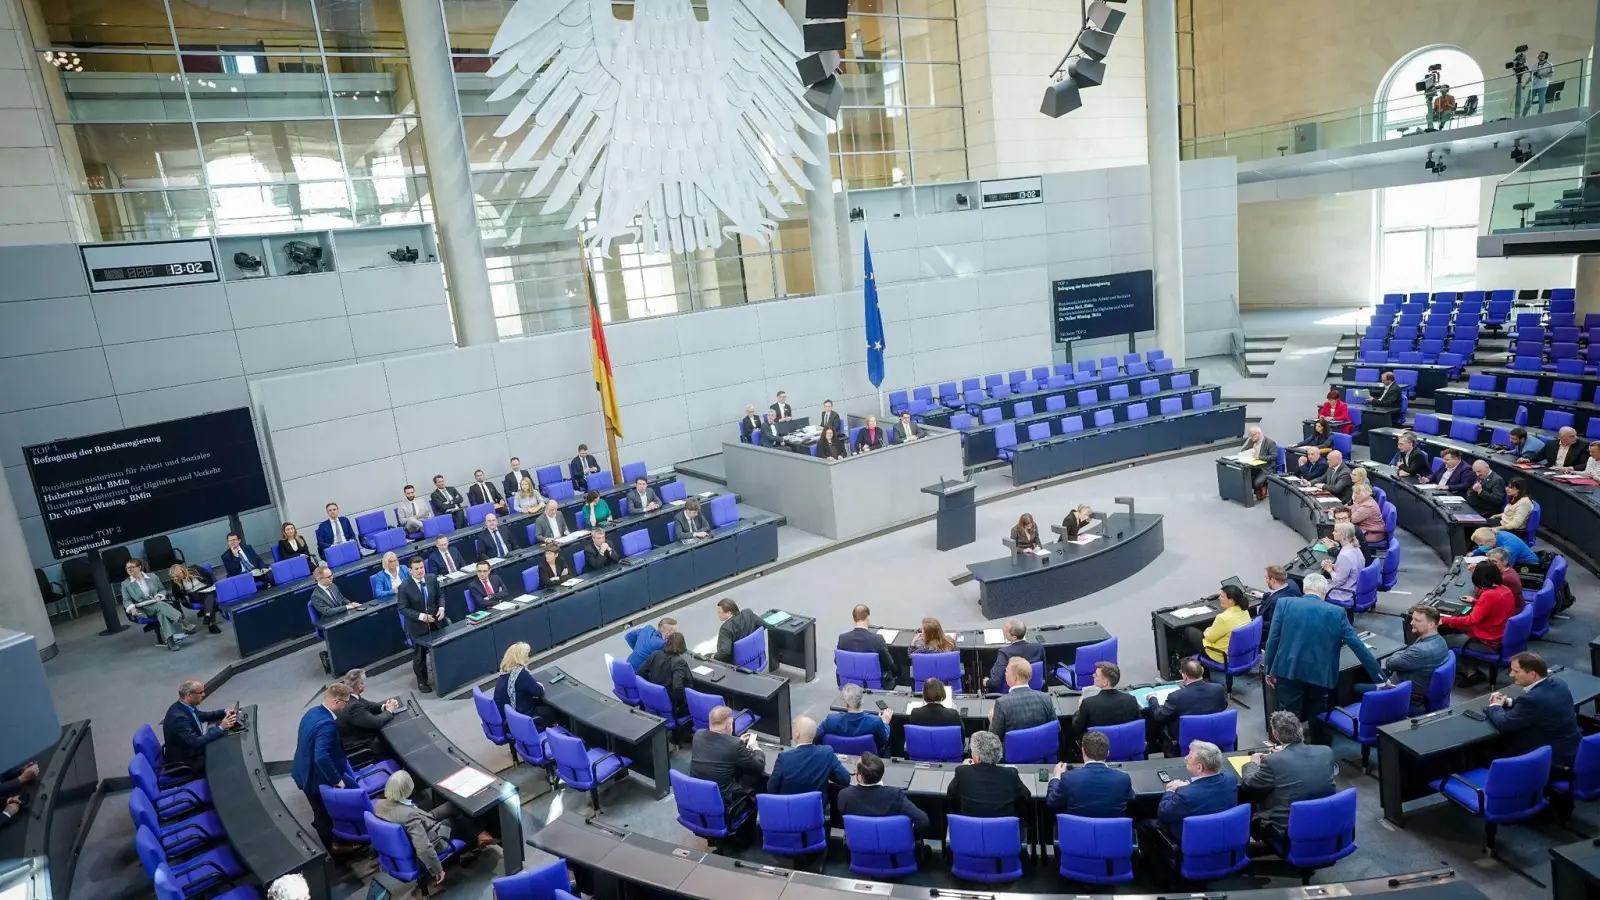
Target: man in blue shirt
point(1094, 790)
point(853, 721)
point(1525, 445)
point(319, 760)
point(647, 639)
point(1521, 553)
point(806, 767)
point(184, 732)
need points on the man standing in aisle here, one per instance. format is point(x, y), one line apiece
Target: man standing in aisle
point(319, 760)
point(421, 604)
point(1302, 655)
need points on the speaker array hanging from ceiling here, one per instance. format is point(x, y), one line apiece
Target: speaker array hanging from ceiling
point(1084, 65)
point(825, 35)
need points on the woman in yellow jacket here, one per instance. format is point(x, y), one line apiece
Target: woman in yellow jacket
point(1213, 642)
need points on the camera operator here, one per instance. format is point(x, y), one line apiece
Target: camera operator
point(1538, 85)
point(1429, 85)
point(1444, 107)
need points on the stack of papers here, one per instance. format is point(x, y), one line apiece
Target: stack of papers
point(1085, 538)
point(701, 670)
point(993, 636)
point(493, 561)
point(1039, 551)
point(571, 581)
point(467, 782)
point(1189, 612)
point(505, 605)
point(888, 634)
point(777, 618)
point(523, 598)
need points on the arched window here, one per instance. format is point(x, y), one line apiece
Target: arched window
point(1402, 107)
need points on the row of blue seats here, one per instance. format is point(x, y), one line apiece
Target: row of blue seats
point(1563, 359)
point(1006, 440)
point(1058, 403)
point(1499, 295)
point(1022, 381)
point(1570, 391)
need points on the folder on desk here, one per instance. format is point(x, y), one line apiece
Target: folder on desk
point(777, 618)
point(1239, 763)
point(888, 634)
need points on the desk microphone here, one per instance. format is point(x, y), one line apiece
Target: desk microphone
point(1436, 875)
point(772, 871)
point(1432, 717)
point(1049, 628)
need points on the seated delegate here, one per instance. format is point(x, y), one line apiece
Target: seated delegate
point(326, 599)
point(861, 638)
point(581, 467)
point(386, 582)
point(831, 446)
point(1367, 516)
point(668, 668)
point(690, 523)
point(335, 529)
point(1077, 520)
point(1488, 492)
point(601, 553)
point(1523, 445)
point(933, 713)
point(1518, 507)
point(1279, 585)
point(1107, 706)
point(734, 764)
point(430, 830)
point(495, 542)
point(444, 559)
point(736, 625)
point(1456, 476)
point(448, 501)
point(1416, 662)
point(361, 721)
point(1197, 695)
point(930, 638)
point(527, 499)
point(1337, 480)
point(1521, 553)
point(1408, 460)
point(184, 734)
point(516, 688)
point(1093, 790)
point(196, 585)
point(868, 796)
point(1294, 771)
point(413, 512)
point(854, 723)
point(1263, 450)
point(483, 491)
point(647, 639)
point(1025, 534)
point(1321, 437)
point(595, 511)
point(1311, 466)
point(807, 766)
point(982, 788)
point(1211, 788)
point(1542, 716)
point(871, 437)
point(240, 557)
point(143, 594)
point(552, 570)
point(1566, 452)
point(1334, 409)
point(1213, 641)
point(486, 589)
point(1484, 626)
point(292, 544)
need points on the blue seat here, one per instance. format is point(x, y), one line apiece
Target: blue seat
point(863, 669)
point(169, 888)
point(1095, 851)
point(1582, 781)
point(750, 651)
point(147, 745)
point(1055, 403)
point(171, 803)
point(1214, 846)
point(1088, 398)
point(1555, 420)
point(1543, 602)
point(1464, 430)
point(341, 554)
point(1005, 440)
point(947, 393)
point(944, 666)
point(396, 857)
point(1510, 790)
point(701, 808)
point(792, 825)
point(476, 514)
point(196, 874)
point(851, 745)
point(1138, 411)
point(961, 422)
point(1162, 365)
point(582, 768)
point(1119, 392)
point(880, 847)
point(1515, 640)
point(990, 416)
point(633, 471)
point(528, 739)
point(624, 681)
point(179, 837)
point(1530, 532)
point(986, 850)
point(899, 401)
point(1342, 443)
point(633, 543)
point(1038, 431)
point(1072, 424)
point(1244, 651)
point(655, 700)
point(292, 569)
point(1171, 405)
point(1103, 418)
point(1206, 400)
point(1426, 423)
point(437, 525)
point(1390, 570)
point(1149, 386)
point(1439, 685)
point(1039, 744)
point(934, 743)
point(347, 808)
point(1127, 741)
point(490, 718)
point(548, 882)
point(1361, 720)
point(1220, 728)
point(367, 523)
point(701, 704)
point(393, 538)
point(1024, 409)
point(600, 481)
point(561, 492)
point(1084, 658)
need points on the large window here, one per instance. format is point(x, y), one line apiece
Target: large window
point(1401, 107)
point(1428, 240)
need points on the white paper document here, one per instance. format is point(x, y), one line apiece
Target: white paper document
point(467, 782)
point(505, 605)
point(701, 670)
point(993, 636)
point(571, 581)
point(1189, 612)
point(1039, 551)
point(571, 536)
point(1086, 538)
point(888, 634)
point(678, 502)
point(524, 598)
point(493, 561)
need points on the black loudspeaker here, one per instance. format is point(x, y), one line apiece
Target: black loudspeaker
point(826, 96)
point(1086, 73)
point(1060, 98)
point(1094, 44)
point(817, 66)
point(827, 9)
point(824, 36)
point(1103, 17)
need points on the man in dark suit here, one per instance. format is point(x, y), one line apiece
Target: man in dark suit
point(1337, 480)
point(767, 434)
point(601, 553)
point(749, 425)
point(326, 598)
point(1094, 790)
point(643, 497)
point(1565, 452)
point(1456, 476)
point(496, 542)
point(444, 559)
point(335, 529)
point(1409, 460)
point(1488, 492)
point(512, 482)
point(240, 557)
point(361, 723)
point(829, 418)
point(861, 638)
point(870, 797)
point(1279, 585)
point(690, 523)
point(483, 491)
point(1198, 696)
point(551, 524)
point(581, 467)
point(319, 760)
point(734, 764)
point(486, 589)
point(1387, 395)
point(447, 500)
point(737, 624)
point(184, 735)
point(1213, 788)
point(1295, 771)
point(781, 410)
point(983, 788)
point(422, 606)
point(1542, 715)
point(1311, 466)
point(907, 430)
point(1107, 706)
point(807, 766)
point(1017, 633)
point(870, 437)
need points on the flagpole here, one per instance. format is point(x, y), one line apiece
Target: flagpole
point(588, 299)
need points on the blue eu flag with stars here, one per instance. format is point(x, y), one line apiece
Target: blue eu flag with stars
point(874, 319)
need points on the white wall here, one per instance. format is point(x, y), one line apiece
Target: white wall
point(1090, 223)
point(33, 203)
point(73, 364)
point(683, 382)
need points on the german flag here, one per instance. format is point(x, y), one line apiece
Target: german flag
point(603, 381)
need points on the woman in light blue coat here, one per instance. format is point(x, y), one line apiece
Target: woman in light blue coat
point(142, 594)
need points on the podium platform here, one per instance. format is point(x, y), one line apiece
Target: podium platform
point(958, 513)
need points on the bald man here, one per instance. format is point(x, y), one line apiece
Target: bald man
point(1566, 452)
point(749, 425)
point(1337, 480)
point(806, 766)
point(1259, 447)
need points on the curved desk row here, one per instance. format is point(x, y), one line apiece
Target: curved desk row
point(979, 443)
point(38, 855)
point(1571, 512)
point(466, 651)
point(612, 863)
point(1429, 377)
point(1500, 405)
point(606, 723)
point(1024, 582)
point(980, 647)
point(1008, 405)
point(975, 710)
point(1305, 508)
point(1124, 442)
point(1546, 380)
point(279, 614)
point(1441, 519)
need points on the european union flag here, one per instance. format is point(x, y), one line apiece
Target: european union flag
point(874, 319)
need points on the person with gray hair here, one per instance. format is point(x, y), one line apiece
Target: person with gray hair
point(430, 830)
point(184, 734)
point(1344, 569)
point(361, 721)
point(289, 887)
point(1263, 451)
point(984, 789)
point(1293, 771)
point(853, 722)
point(1301, 657)
point(1211, 788)
point(1016, 632)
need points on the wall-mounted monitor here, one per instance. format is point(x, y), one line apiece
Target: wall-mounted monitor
point(1104, 305)
point(117, 487)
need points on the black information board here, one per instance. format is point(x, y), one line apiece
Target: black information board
point(119, 486)
point(1104, 305)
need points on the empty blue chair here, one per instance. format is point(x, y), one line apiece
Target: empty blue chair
point(1109, 364)
point(1367, 375)
point(1086, 365)
point(1154, 355)
point(624, 681)
point(1530, 531)
point(792, 825)
point(1582, 782)
point(1038, 431)
point(1171, 405)
point(1149, 386)
point(1119, 392)
point(147, 745)
point(880, 847)
point(990, 415)
point(723, 510)
point(1482, 382)
point(1055, 403)
point(548, 882)
point(1220, 728)
point(546, 475)
point(1543, 602)
point(1095, 851)
point(1138, 411)
point(1104, 417)
point(1515, 640)
point(1013, 378)
point(964, 422)
point(1526, 387)
point(899, 401)
point(934, 743)
point(1361, 720)
point(1162, 365)
point(528, 739)
point(634, 470)
point(366, 524)
point(852, 745)
point(862, 669)
point(179, 837)
point(1024, 409)
point(1081, 673)
point(1510, 790)
point(169, 888)
point(947, 393)
point(1390, 571)
point(1444, 678)
point(750, 651)
point(194, 875)
point(944, 666)
point(1244, 651)
point(1205, 401)
point(1005, 440)
point(633, 543)
point(171, 803)
point(1138, 368)
point(1039, 744)
point(1461, 430)
point(701, 704)
point(1088, 398)
point(394, 538)
point(292, 569)
point(701, 808)
point(1555, 420)
point(1127, 742)
point(347, 807)
point(986, 850)
point(582, 768)
point(971, 384)
point(1071, 424)
point(1057, 382)
point(998, 392)
point(476, 514)
point(434, 526)
point(561, 491)
point(341, 554)
point(490, 718)
point(673, 491)
point(1214, 846)
point(396, 857)
point(1426, 423)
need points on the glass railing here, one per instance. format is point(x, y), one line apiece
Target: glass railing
point(1546, 193)
point(1484, 101)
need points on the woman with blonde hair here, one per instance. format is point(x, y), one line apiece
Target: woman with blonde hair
point(931, 638)
point(1077, 520)
point(1366, 515)
point(527, 498)
point(292, 544)
point(195, 586)
point(430, 830)
point(517, 689)
point(386, 582)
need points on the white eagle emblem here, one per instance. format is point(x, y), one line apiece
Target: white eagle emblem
point(658, 126)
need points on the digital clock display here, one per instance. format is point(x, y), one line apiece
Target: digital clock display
point(164, 270)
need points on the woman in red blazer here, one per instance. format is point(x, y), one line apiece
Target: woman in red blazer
point(1336, 409)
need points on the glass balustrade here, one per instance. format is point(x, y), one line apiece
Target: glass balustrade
point(1547, 192)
